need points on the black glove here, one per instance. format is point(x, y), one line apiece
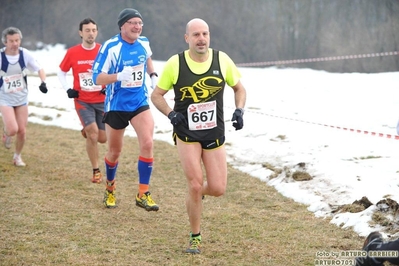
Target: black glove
point(177, 119)
point(72, 93)
point(102, 91)
point(237, 116)
point(43, 87)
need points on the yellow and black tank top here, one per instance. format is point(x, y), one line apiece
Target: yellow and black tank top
point(199, 97)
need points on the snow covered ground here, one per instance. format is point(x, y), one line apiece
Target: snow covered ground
point(292, 116)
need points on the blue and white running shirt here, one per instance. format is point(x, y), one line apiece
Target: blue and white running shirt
point(113, 56)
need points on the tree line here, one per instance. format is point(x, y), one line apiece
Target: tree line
point(249, 31)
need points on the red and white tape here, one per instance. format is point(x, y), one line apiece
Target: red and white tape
point(320, 59)
point(367, 132)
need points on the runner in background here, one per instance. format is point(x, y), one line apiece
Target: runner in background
point(15, 62)
point(88, 97)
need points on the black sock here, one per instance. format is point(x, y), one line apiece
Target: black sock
point(195, 235)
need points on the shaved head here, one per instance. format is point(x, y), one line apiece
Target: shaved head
point(196, 23)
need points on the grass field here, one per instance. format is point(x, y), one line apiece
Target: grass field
point(53, 215)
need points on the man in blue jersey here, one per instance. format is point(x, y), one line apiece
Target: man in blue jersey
point(122, 64)
point(198, 77)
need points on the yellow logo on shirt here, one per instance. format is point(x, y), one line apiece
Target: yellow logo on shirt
point(202, 90)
